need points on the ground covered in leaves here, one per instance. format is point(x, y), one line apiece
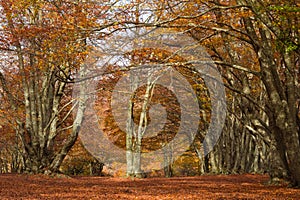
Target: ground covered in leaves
point(203, 187)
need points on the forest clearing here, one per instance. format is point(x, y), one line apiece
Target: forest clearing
point(201, 187)
point(149, 99)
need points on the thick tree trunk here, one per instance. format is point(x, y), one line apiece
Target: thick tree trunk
point(82, 98)
point(135, 134)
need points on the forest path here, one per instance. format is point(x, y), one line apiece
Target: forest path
point(13, 186)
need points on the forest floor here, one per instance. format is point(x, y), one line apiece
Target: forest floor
point(201, 187)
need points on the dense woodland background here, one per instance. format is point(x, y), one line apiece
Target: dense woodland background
point(253, 43)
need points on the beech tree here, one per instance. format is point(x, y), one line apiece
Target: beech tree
point(257, 39)
point(43, 45)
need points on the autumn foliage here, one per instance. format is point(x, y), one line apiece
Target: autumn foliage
point(254, 45)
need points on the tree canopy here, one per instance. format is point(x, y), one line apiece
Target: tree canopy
point(254, 45)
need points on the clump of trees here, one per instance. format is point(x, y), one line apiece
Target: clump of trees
point(254, 44)
point(43, 44)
